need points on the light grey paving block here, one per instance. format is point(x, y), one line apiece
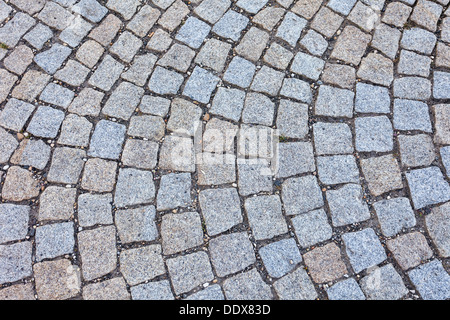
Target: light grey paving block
point(193, 32)
point(337, 169)
point(127, 8)
point(441, 85)
point(141, 264)
point(174, 191)
point(189, 271)
point(75, 32)
point(177, 153)
point(347, 205)
point(345, 290)
point(91, 10)
point(411, 115)
point(265, 216)
point(363, 249)
point(181, 231)
point(312, 227)
point(157, 106)
point(46, 122)
point(314, 42)
point(123, 101)
point(140, 69)
point(184, 117)
point(432, 281)
point(87, 103)
point(427, 186)
point(73, 74)
point(135, 225)
point(178, 57)
point(437, 224)
point(414, 64)
point(416, 150)
point(269, 81)
point(340, 6)
point(291, 28)
point(221, 209)
point(107, 139)
point(57, 95)
point(394, 215)
point(252, 179)
point(251, 6)
point(334, 102)
point(52, 59)
point(140, 154)
point(297, 89)
point(158, 290)
point(15, 261)
point(13, 222)
point(134, 187)
point(213, 292)
point(231, 25)
point(445, 155)
point(57, 203)
point(374, 134)
point(66, 166)
point(200, 85)
point(240, 72)
point(420, 40)
point(225, 250)
point(292, 119)
point(308, 66)
point(94, 209)
point(15, 114)
point(106, 74)
point(402, 88)
point(34, 153)
point(144, 20)
point(295, 286)
point(14, 29)
point(383, 284)
point(8, 144)
point(112, 289)
point(295, 158)
point(301, 195)
point(372, 99)
point(212, 10)
point(38, 36)
point(228, 103)
point(248, 285)
point(280, 257)
point(165, 81)
point(53, 240)
point(332, 138)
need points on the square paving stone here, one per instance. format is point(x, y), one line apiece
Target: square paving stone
point(200, 85)
point(53, 240)
point(135, 225)
point(414, 64)
point(247, 286)
point(184, 117)
point(157, 106)
point(341, 75)
point(312, 227)
point(75, 131)
point(19, 185)
point(189, 271)
point(73, 74)
point(99, 175)
point(213, 54)
point(107, 30)
point(57, 203)
point(376, 69)
point(417, 150)
point(193, 32)
point(158, 290)
point(411, 115)
point(346, 290)
point(140, 154)
point(177, 153)
point(240, 72)
point(441, 85)
point(216, 169)
point(372, 99)
point(134, 187)
point(427, 187)
point(46, 122)
point(295, 286)
point(15, 114)
point(123, 101)
point(437, 224)
point(295, 158)
point(432, 281)
point(420, 40)
point(363, 249)
point(258, 109)
point(332, 138)
point(212, 10)
point(410, 249)
point(308, 66)
point(181, 231)
point(231, 253)
point(280, 257)
point(394, 215)
point(107, 73)
point(291, 28)
point(325, 263)
point(107, 139)
point(347, 205)
point(34, 153)
point(8, 144)
point(219, 136)
point(301, 195)
point(174, 191)
point(57, 280)
point(178, 57)
point(334, 102)
point(383, 284)
point(374, 134)
point(265, 216)
point(144, 20)
point(57, 95)
point(252, 44)
point(22, 292)
point(126, 46)
point(94, 209)
point(351, 45)
point(75, 32)
point(337, 169)
point(252, 179)
point(228, 103)
point(55, 16)
point(382, 174)
point(172, 18)
point(91, 10)
point(19, 59)
point(296, 89)
point(221, 209)
point(66, 166)
point(38, 36)
point(278, 56)
point(268, 80)
point(141, 264)
point(7, 82)
point(231, 25)
point(15, 261)
point(87, 103)
point(147, 127)
point(165, 81)
point(422, 88)
point(51, 60)
point(397, 13)
point(292, 119)
point(13, 222)
point(98, 251)
point(140, 70)
point(160, 41)
point(314, 42)
point(112, 289)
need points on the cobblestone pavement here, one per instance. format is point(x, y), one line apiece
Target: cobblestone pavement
point(104, 195)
